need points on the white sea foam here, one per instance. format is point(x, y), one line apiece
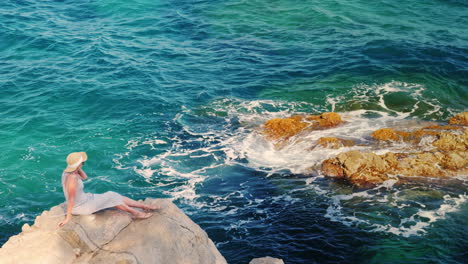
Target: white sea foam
point(423, 219)
point(391, 200)
point(237, 140)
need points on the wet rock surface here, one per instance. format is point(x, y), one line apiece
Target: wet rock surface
point(447, 158)
point(435, 150)
point(334, 142)
point(366, 169)
point(460, 119)
point(284, 128)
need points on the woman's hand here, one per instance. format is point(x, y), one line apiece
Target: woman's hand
point(65, 221)
point(82, 174)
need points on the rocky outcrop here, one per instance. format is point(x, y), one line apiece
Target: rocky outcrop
point(452, 142)
point(433, 150)
point(325, 120)
point(111, 236)
point(284, 128)
point(460, 119)
point(266, 260)
point(366, 169)
point(448, 156)
point(389, 134)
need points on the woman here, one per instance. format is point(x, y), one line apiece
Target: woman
point(81, 203)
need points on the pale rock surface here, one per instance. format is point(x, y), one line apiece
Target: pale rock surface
point(266, 260)
point(111, 236)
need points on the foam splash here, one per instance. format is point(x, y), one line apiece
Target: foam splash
point(226, 133)
point(372, 209)
point(375, 96)
point(423, 219)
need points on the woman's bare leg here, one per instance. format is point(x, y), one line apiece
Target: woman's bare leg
point(136, 213)
point(137, 204)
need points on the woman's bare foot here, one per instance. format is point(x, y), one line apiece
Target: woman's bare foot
point(148, 208)
point(143, 215)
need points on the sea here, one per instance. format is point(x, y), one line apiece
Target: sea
point(168, 99)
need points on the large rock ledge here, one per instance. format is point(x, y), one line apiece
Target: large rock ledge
point(111, 236)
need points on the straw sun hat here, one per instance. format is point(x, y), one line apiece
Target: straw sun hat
point(74, 160)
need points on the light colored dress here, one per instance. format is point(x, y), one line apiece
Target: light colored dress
point(88, 203)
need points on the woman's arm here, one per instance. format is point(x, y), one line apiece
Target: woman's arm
point(70, 186)
point(82, 174)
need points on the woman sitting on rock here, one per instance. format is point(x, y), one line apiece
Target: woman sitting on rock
point(81, 203)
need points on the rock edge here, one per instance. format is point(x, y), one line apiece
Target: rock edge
point(111, 236)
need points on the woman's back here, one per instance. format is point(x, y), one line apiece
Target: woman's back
point(81, 203)
point(80, 196)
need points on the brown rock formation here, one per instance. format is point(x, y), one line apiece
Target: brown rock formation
point(389, 134)
point(445, 140)
point(360, 168)
point(448, 158)
point(385, 134)
point(439, 127)
point(366, 169)
point(325, 120)
point(284, 128)
point(452, 142)
point(460, 119)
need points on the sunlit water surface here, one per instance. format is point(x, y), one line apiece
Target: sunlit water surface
point(167, 98)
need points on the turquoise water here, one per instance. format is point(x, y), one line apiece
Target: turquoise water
point(166, 97)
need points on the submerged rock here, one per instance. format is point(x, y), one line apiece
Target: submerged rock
point(111, 236)
point(334, 143)
point(389, 134)
point(385, 134)
point(284, 128)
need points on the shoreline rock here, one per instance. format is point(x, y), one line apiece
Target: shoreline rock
point(435, 150)
point(447, 158)
point(389, 134)
point(366, 169)
point(278, 129)
point(111, 236)
point(459, 119)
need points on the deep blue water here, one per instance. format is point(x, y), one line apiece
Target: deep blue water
point(167, 98)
